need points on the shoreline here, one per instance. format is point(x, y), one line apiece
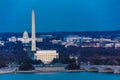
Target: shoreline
point(55, 70)
point(67, 71)
point(34, 71)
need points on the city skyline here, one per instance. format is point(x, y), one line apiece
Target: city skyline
point(52, 16)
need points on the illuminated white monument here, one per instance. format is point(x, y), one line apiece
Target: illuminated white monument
point(46, 56)
point(33, 32)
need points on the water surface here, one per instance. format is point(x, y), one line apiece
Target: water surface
point(61, 76)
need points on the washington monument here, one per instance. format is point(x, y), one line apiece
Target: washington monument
point(33, 32)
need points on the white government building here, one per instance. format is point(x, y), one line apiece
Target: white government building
point(26, 39)
point(46, 56)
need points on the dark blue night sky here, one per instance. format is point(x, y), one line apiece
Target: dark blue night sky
point(60, 15)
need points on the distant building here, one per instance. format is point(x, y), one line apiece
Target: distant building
point(46, 36)
point(109, 45)
point(2, 43)
point(86, 39)
point(56, 41)
point(94, 45)
point(117, 45)
point(96, 40)
point(39, 39)
point(105, 40)
point(25, 38)
point(73, 38)
point(70, 44)
point(46, 56)
point(12, 39)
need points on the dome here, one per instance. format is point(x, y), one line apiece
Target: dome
point(25, 37)
point(25, 34)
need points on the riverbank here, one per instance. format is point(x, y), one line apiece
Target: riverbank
point(6, 72)
point(67, 71)
point(34, 71)
point(58, 69)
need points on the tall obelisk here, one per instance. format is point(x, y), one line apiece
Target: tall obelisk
point(33, 32)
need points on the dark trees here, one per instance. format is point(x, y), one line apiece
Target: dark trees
point(26, 67)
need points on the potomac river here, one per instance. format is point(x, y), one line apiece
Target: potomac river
point(60, 76)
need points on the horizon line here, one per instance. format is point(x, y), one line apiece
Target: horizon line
point(60, 31)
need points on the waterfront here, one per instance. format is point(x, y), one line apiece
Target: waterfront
point(61, 76)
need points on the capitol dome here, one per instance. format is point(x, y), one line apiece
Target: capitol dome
point(25, 34)
point(25, 37)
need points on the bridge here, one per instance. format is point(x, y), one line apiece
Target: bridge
point(101, 68)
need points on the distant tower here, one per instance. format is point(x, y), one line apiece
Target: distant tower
point(33, 32)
